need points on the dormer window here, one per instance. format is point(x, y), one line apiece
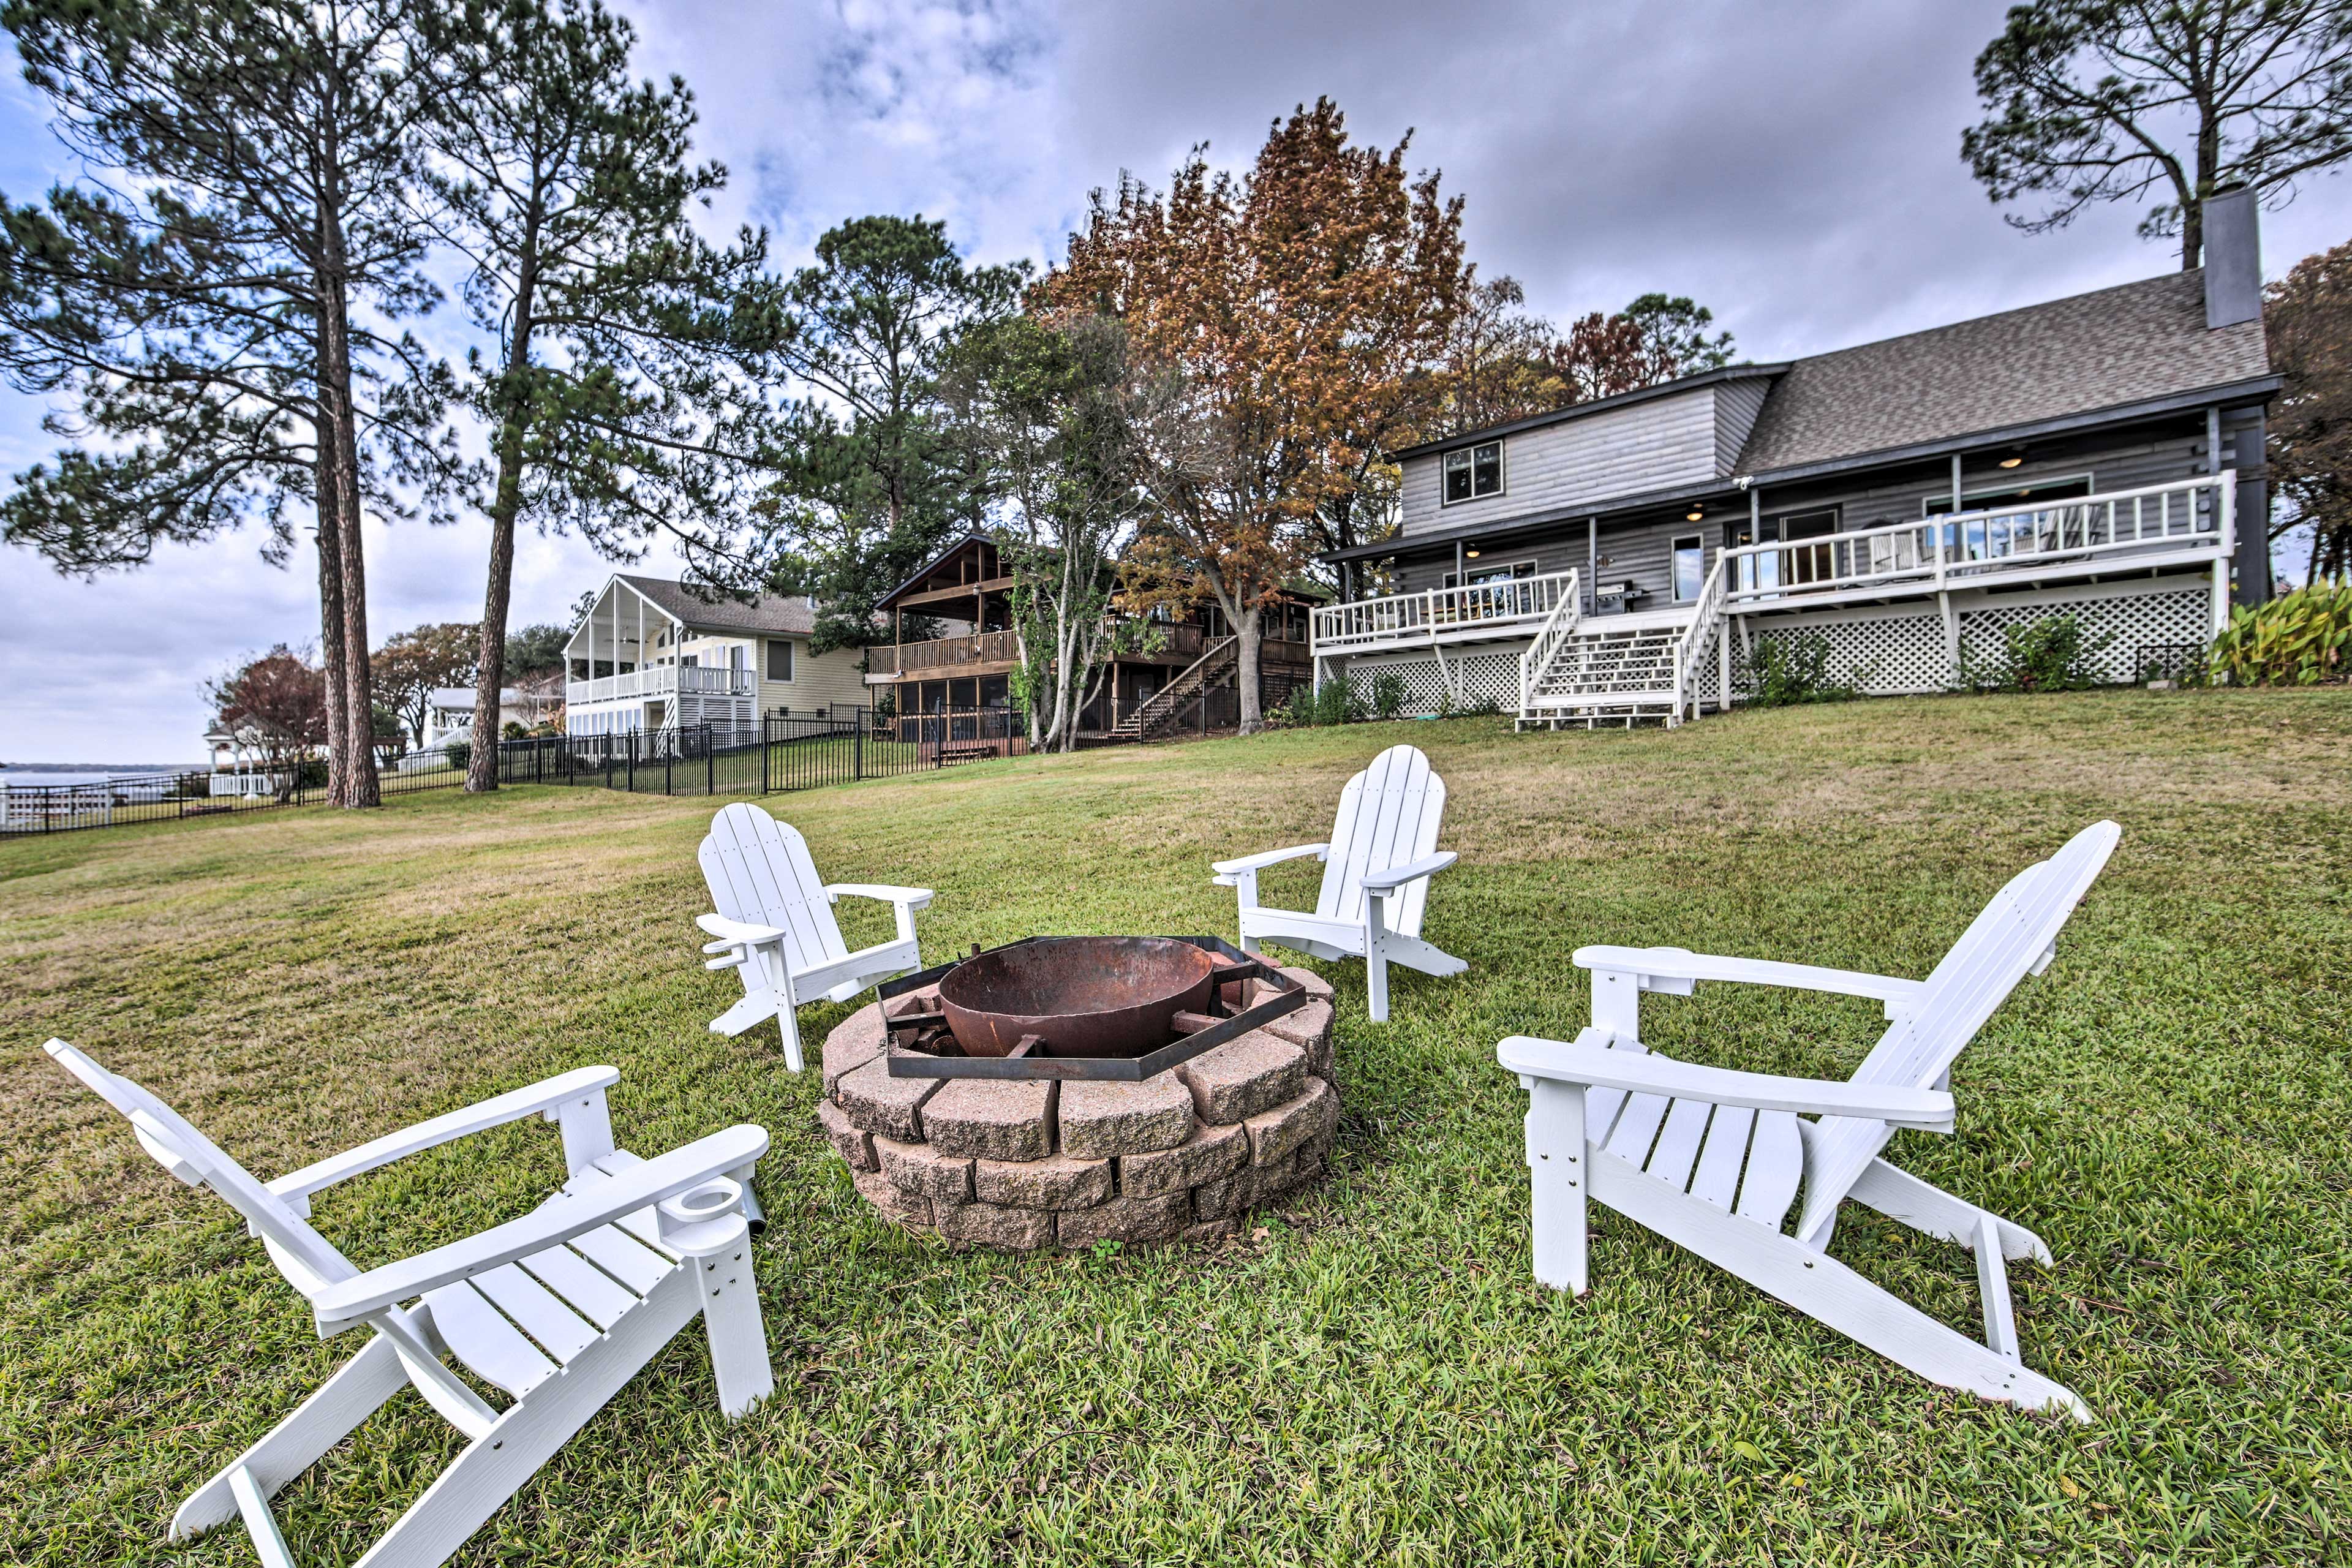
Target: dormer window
point(1474, 472)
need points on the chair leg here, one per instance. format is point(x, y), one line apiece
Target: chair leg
point(788, 1023)
point(1376, 963)
point(1993, 1288)
point(356, 1392)
point(1557, 1156)
point(731, 1320)
point(495, 1466)
point(1826, 1290)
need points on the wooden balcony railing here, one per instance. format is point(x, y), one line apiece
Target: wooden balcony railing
point(2190, 521)
point(1178, 644)
point(1502, 609)
point(664, 680)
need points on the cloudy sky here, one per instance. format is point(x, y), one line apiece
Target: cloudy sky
point(1793, 165)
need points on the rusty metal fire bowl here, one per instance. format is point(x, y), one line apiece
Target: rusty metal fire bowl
point(1079, 996)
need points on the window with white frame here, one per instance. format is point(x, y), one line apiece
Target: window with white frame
point(1689, 567)
point(779, 659)
point(1473, 473)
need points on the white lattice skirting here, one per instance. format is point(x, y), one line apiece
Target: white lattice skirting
point(2127, 624)
point(1901, 649)
point(1478, 677)
point(1884, 650)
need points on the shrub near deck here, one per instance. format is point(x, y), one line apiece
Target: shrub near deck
point(1378, 1377)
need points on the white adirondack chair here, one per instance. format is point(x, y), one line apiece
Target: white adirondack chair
point(1713, 1159)
point(600, 1277)
point(1377, 868)
point(775, 925)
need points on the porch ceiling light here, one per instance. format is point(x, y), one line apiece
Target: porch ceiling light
point(1471, 553)
point(2011, 460)
point(1693, 515)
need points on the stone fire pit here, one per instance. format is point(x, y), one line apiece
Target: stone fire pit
point(1179, 1156)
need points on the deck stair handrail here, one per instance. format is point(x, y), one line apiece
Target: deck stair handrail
point(1705, 624)
point(2190, 517)
point(1161, 705)
point(1550, 638)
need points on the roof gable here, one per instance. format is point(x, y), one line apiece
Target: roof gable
point(769, 613)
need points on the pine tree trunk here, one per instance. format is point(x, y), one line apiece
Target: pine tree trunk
point(340, 426)
point(330, 627)
point(362, 786)
point(482, 763)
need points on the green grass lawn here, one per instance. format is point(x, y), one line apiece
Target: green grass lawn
point(1375, 1375)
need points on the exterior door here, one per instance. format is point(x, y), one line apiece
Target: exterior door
point(1753, 572)
point(1812, 564)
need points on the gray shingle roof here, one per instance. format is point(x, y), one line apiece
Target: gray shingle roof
point(2103, 349)
point(773, 613)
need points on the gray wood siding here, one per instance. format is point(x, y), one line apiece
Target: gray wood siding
point(1638, 548)
point(1625, 451)
point(1737, 405)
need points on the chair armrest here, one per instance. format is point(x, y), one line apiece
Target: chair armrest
point(1271, 857)
point(1681, 964)
point(632, 1188)
point(913, 897)
point(545, 1095)
point(1396, 877)
point(739, 931)
point(1589, 1061)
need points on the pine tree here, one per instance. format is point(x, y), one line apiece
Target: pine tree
point(610, 400)
point(213, 310)
point(871, 480)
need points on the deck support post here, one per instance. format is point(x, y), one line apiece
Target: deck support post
point(1723, 669)
point(2226, 502)
point(1951, 634)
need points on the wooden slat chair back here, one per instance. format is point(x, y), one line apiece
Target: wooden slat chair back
point(558, 1308)
point(775, 925)
point(759, 872)
point(1389, 815)
point(304, 1256)
point(1714, 1158)
point(1377, 867)
point(2015, 935)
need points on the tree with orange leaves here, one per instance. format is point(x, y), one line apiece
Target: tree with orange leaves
point(1284, 328)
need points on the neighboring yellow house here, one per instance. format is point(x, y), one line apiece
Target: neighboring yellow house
point(654, 653)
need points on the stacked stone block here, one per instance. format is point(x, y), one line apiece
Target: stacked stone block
point(1022, 1166)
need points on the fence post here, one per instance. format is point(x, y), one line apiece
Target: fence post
point(857, 744)
point(631, 776)
point(709, 762)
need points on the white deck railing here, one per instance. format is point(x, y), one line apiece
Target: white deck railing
point(664, 680)
point(1440, 614)
point(2192, 519)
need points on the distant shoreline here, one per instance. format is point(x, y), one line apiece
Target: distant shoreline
point(8, 768)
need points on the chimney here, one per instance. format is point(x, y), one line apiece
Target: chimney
point(2234, 257)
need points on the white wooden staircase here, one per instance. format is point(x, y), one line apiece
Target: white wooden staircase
point(1624, 668)
point(1159, 709)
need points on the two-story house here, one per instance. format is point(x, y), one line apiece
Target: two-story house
point(1904, 500)
point(655, 655)
point(1159, 683)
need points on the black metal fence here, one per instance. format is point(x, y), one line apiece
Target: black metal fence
point(763, 757)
